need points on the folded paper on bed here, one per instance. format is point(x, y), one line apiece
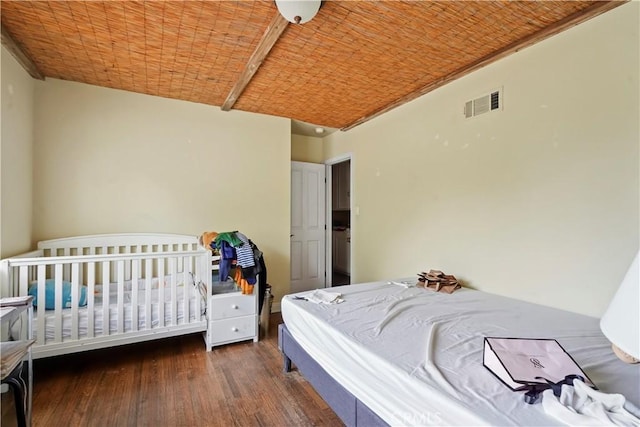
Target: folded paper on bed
point(521, 361)
point(320, 296)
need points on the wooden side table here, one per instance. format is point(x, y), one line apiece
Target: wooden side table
point(13, 355)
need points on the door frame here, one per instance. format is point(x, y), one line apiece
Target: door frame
point(329, 215)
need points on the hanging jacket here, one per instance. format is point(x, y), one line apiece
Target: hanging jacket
point(227, 258)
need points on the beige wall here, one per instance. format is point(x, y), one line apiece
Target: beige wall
point(16, 152)
point(539, 201)
point(113, 161)
point(306, 149)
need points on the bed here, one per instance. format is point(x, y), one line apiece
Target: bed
point(105, 290)
point(396, 355)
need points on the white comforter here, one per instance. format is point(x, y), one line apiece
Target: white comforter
point(414, 356)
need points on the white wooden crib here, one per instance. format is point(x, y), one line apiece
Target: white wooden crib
point(116, 283)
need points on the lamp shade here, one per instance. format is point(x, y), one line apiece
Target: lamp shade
point(298, 11)
point(621, 322)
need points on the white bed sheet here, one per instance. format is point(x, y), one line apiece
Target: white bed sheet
point(83, 313)
point(414, 356)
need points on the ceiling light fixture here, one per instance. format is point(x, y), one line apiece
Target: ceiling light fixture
point(298, 11)
point(319, 130)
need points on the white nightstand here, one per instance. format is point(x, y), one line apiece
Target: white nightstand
point(231, 315)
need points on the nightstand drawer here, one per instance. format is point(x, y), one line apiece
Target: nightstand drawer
point(231, 330)
point(227, 306)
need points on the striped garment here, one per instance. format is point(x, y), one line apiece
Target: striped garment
point(244, 253)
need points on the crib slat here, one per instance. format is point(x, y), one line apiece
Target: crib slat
point(195, 291)
point(23, 285)
point(40, 309)
point(75, 299)
point(106, 279)
point(127, 266)
point(161, 291)
point(205, 268)
point(186, 268)
point(79, 251)
point(58, 271)
point(91, 295)
point(174, 302)
point(147, 293)
point(66, 268)
point(120, 269)
point(23, 280)
point(135, 274)
point(191, 290)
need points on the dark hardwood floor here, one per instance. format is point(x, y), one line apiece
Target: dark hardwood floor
point(174, 382)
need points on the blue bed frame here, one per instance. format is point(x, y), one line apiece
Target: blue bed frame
point(350, 410)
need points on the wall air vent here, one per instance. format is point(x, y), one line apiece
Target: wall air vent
point(484, 104)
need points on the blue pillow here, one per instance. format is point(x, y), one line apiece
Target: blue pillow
point(50, 291)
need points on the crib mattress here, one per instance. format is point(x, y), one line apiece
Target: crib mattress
point(98, 313)
point(414, 356)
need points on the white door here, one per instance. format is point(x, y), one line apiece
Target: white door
point(307, 226)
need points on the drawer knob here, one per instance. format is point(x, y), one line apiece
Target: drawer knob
point(234, 306)
point(234, 329)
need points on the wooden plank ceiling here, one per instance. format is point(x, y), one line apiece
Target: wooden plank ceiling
point(353, 61)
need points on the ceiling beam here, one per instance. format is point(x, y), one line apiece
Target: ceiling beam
point(596, 9)
point(269, 38)
point(22, 58)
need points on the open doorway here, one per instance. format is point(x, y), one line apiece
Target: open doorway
point(340, 216)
